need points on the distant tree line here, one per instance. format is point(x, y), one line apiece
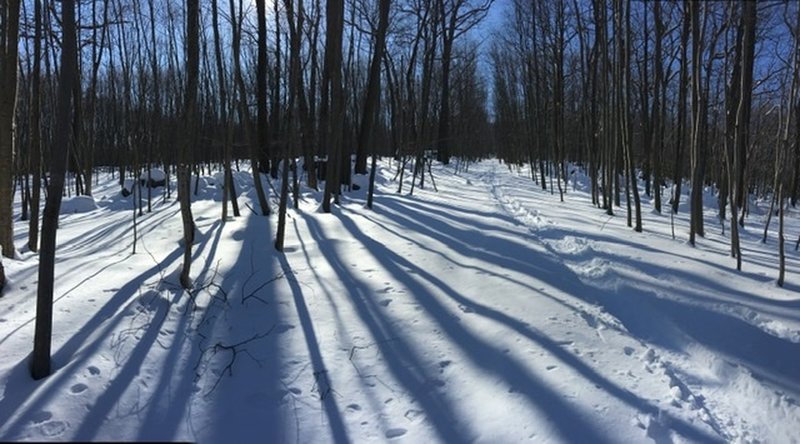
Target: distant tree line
point(660, 91)
point(194, 86)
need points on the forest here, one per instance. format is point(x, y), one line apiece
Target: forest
point(661, 120)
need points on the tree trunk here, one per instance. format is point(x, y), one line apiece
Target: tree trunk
point(259, 149)
point(680, 138)
point(295, 22)
point(40, 365)
point(335, 116)
point(747, 50)
point(372, 101)
point(36, 142)
point(190, 104)
point(8, 104)
point(698, 104)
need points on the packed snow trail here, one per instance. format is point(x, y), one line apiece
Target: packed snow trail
point(485, 312)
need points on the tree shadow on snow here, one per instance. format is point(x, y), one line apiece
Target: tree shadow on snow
point(506, 254)
point(183, 372)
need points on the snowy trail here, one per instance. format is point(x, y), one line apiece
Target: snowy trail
point(501, 306)
point(485, 312)
point(695, 341)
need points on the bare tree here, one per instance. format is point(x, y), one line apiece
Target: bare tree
point(35, 129)
point(295, 21)
point(335, 117)
point(9, 51)
point(189, 111)
point(372, 101)
point(458, 17)
point(680, 137)
point(743, 83)
point(229, 191)
point(698, 110)
point(40, 365)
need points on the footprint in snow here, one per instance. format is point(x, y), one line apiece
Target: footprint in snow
point(52, 429)
point(353, 408)
point(40, 417)
point(413, 414)
point(590, 320)
point(78, 388)
point(466, 309)
point(628, 350)
point(386, 302)
point(438, 383)
point(93, 370)
point(283, 328)
point(395, 433)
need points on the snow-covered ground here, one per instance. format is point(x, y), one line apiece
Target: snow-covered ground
point(488, 311)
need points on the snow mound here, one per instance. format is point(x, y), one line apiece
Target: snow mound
point(780, 330)
point(592, 269)
point(571, 245)
point(203, 188)
point(156, 175)
point(78, 204)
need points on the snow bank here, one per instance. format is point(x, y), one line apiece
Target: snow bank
point(157, 176)
point(78, 204)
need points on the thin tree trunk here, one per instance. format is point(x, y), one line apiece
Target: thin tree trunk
point(36, 142)
point(9, 53)
point(680, 138)
point(781, 240)
point(40, 364)
point(190, 98)
point(372, 103)
point(333, 69)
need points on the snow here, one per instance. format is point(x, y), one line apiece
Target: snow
point(78, 204)
point(156, 175)
point(488, 311)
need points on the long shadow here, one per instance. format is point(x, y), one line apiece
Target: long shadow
point(340, 326)
point(127, 372)
point(454, 236)
point(323, 286)
point(402, 360)
point(335, 422)
point(400, 208)
point(564, 416)
point(162, 412)
point(483, 220)
point(488, 272)
point(256, 379)
point(106, 319)
point(579, 219)
point(768, 357)
point(163, 417)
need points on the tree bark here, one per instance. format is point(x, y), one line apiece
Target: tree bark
point(9, 53)
point(335, 116)
point(189, 111)
point(40, 364)
point(36, 142)
point(372, 101)
point(680, 137)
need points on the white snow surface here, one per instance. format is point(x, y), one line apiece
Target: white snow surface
point(77, 204)
point(488, 311)
point(156, 175)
